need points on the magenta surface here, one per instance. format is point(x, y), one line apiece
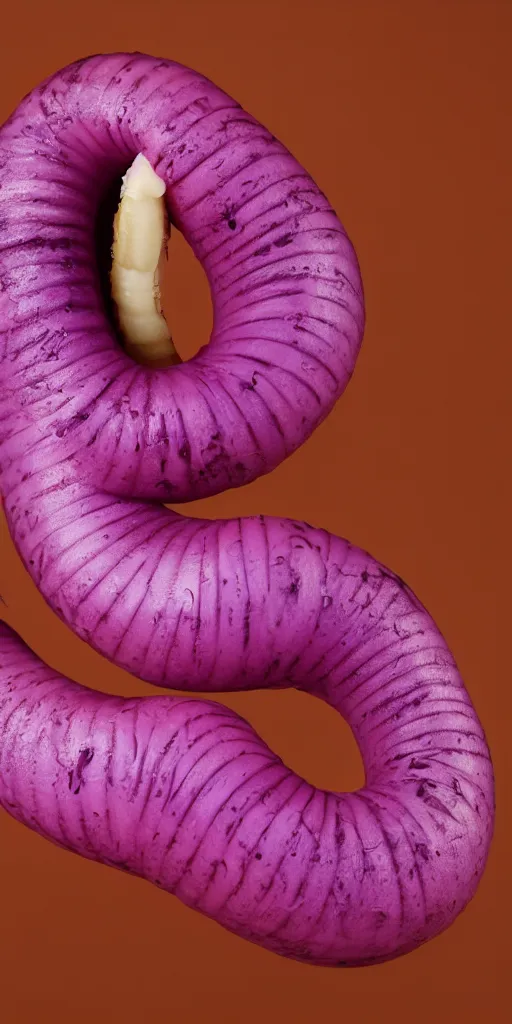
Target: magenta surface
point(182, 791)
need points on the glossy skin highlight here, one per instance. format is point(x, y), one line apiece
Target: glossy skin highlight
point(179, 790)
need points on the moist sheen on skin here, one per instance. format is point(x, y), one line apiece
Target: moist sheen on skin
point(182, 791)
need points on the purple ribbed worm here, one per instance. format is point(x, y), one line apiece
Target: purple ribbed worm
point(181, 791)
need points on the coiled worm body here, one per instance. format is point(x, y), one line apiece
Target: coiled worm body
point(94, 445)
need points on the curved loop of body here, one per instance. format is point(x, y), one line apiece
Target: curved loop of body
point(92, 445)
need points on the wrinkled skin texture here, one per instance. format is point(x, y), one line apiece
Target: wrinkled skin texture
point(180, 790)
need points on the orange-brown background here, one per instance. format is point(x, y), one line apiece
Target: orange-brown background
point(401, 111)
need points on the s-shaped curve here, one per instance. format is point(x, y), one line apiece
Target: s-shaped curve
point(180, 790)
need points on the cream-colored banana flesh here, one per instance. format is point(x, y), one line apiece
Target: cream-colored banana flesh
point(141, 233)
